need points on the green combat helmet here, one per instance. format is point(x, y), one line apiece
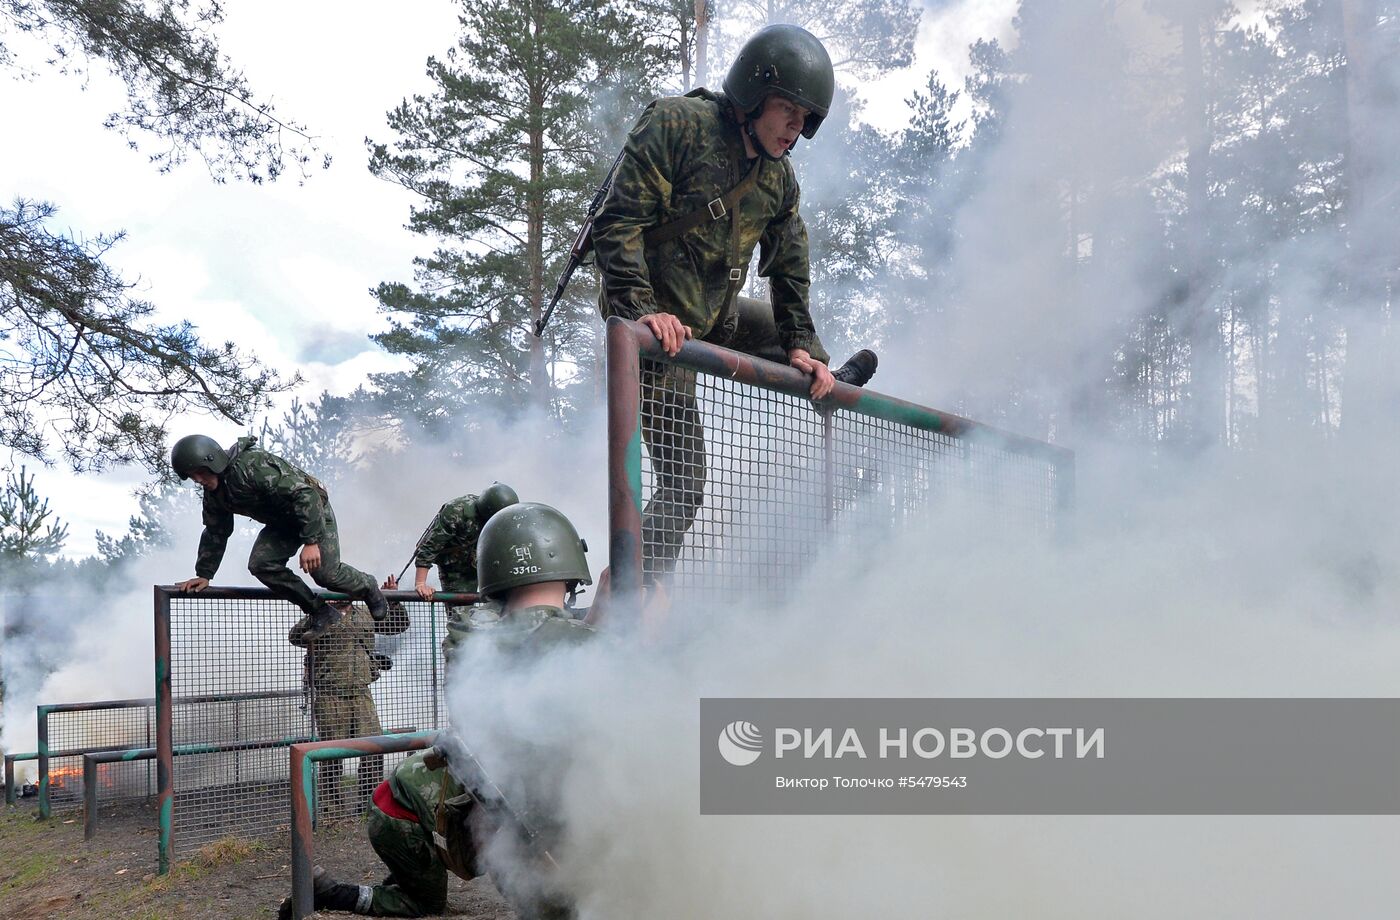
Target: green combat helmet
point(527, 544)
point(786, 60)
point(197, 450)
point(493, 498)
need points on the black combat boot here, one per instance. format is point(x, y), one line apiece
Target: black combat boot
point(378, 606)
point(328, 894)
point(858, 369)
point(320, 621)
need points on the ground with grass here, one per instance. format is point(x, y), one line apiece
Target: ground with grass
point(47, 870)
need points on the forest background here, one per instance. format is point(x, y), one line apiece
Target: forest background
point(1161, 230)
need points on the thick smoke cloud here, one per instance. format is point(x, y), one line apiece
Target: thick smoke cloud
point(98, 645)
point(1265, 572)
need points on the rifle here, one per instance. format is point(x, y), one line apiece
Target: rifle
point(450, 750)
point(583, 244)
point(421, 537)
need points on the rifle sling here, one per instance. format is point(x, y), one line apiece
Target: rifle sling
point(718, 209)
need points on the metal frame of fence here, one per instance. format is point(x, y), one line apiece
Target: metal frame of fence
point(301, 758)
point(93, 761)
point(105, 718)
point(221, 640)
point(10, 796)
point(835, 424)
point(76, 741)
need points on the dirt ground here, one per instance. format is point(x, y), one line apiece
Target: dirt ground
point(47, 870)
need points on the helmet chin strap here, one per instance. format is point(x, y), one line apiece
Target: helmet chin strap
point(757, 144)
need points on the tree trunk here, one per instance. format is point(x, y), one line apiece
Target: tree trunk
point(539, 377)
point(1205, 403)
point(1366, 383)
point(702, 39)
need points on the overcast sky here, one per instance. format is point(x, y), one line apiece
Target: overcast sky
point(284, 270)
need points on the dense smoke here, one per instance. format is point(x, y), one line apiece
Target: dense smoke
point(98, 644)
point(1210, 572)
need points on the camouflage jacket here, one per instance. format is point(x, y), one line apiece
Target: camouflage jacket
point(267, 489)
point(450, 542)
point(436, 798)
point(343, 660)
point(533, 630)
point(684, 152)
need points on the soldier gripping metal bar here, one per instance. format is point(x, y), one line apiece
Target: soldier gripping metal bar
point(450, 540)
point(295, 511)
point(704, 179)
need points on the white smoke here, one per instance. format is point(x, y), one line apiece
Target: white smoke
point(1206, 592)
point(100, 645)
point(1266, 572)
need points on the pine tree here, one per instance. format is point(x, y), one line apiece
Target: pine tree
point(29, 531)
point(504, 154)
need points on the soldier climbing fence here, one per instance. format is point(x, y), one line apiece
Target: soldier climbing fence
point(744, 478)
point(232, 695)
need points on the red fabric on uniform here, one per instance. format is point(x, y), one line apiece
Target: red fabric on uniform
point(384, 800)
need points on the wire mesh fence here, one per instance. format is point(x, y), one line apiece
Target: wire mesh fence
point(66, 731)
point(725, 477)
point(240, 693)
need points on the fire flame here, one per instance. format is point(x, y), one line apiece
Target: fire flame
point(59, 775)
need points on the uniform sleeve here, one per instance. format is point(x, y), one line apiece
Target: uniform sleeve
point(640, 190)
point(439, 534)
point(289, 488)
point(218, 524)
point(783, 261)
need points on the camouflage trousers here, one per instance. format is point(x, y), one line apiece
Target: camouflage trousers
point(278, 543)
point(417, 882)
point(346, 714)
point(675, 435)
point(675, 440)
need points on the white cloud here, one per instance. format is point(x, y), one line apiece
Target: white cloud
point(946, 30)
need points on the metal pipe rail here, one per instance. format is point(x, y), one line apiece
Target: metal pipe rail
point(630, 343)
point(10, 773)
point(232, 593)
point(93, 759)
point(303, 791)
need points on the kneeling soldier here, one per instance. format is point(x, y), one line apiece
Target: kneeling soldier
point(439, 810)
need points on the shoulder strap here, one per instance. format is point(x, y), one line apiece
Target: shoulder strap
point(717, 209)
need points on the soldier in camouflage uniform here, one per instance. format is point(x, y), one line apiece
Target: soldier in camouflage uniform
point(704, 179)
point(339, 668)
point(450, 540)
point(295, 511)
point(426, 821)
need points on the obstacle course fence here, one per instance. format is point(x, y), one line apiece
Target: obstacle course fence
point(305, 759)
point(223, 644)
point(743, 476)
